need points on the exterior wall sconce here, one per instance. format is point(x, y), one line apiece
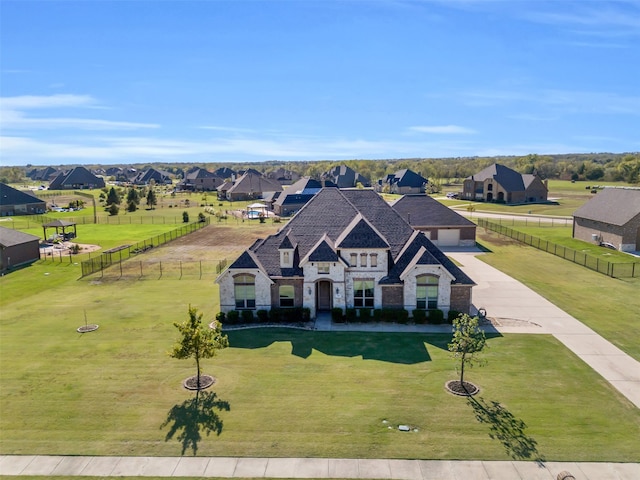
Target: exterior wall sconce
point(309, 290)
point(337, 290)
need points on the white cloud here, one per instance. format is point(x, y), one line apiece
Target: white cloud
point(13, 114)
point(443, 129)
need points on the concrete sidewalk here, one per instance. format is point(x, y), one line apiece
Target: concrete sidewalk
point(518, 309)
point(227, 467)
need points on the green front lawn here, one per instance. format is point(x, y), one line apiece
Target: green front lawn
point(608, 305)
point(285, 393)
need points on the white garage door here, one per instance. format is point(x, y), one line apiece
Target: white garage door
point(448, 238)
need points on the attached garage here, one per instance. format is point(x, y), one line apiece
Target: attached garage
point(448, 237)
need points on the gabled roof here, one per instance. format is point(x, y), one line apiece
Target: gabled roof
point(286, 244)
point(406, 178)
point(11, 196)
point(224, 172)
point(245, 260)
point(253, 182)
point(421, 210)
point(300, 192)
point(421, 251)
point(10, 237)
point(509, 179)
point(615, 206)
point(157, 176)
point(323, 251)
point(360, 234)
point(199, 173)
point(76, 176)
point(345, 177)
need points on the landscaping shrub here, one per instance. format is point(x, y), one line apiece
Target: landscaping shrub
point(201, 217)
point(365, 315)
point(377, 315)
point(247, 316)
point(233, 317)
point(388, 314)
point(452, 315)
point(336, 315)
point(306, 314)
point(402, 316)
point(185, 217)
point(351, 314)
point(274, 315)
point(263, 316)
point(419, 316)
point(436, 316)
point(221, 317)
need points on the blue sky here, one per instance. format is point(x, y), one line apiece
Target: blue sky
point(215, 81)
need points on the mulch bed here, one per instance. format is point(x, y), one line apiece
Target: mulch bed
point(464, 389)
point(206, 381)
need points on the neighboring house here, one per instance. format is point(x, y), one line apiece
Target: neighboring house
point(17, 248)
point(441, 225)
point(43, 174)
point(345, 249)
point(284, 176)
point(251, 185)
point(345, 177)
point(15, 202)
point(200, 180)
point(612, 216)
point(405, 182)
point(296, 196)
point(498, 183)
point(157, 176)
point(224, 172)
point(78, 178)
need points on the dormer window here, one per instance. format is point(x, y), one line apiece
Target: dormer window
point(286, 258)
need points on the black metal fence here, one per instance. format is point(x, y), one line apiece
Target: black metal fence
point(164, 269)
point(612, 269)
point(124, 252)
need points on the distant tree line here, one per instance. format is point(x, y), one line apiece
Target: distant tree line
point(592, 167)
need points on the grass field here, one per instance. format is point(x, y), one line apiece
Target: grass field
point(608, 305)
point(286, 393)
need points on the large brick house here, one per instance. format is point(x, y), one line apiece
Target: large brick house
point(345, 249)
point(498, 183)
point(612, 216)
point(16, 202)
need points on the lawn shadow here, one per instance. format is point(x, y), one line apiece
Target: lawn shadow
point(193, 417)
point(403, 348)
point(507, 429)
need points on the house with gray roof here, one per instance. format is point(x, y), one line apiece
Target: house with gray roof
point(145, 177)
point(294, 197)
point(17, 248)
point(611, 216)
point(345, 249)
point(345, 177)
point(16, 202)
point(251, 185)
point(78, 178)
point(443, 226)
point(498, 183)
point(405, 182)
point(200, 180)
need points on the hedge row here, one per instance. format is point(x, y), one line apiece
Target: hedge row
point(275, 315)
point(392, 315)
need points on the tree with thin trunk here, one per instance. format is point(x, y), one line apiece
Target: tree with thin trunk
point(151, 198)
point(198, 341)
point(467, 342)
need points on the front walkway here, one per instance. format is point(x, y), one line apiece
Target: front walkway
point(320, 468)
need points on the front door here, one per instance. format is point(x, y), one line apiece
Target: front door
point(323, 290)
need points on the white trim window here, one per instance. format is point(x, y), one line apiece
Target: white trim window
point(287, 296)
point(427, 291)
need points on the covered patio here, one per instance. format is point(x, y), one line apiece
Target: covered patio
point(61, 225)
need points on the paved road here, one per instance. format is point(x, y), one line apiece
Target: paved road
point(320, 468)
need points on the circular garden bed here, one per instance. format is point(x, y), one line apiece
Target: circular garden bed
point(464, 389)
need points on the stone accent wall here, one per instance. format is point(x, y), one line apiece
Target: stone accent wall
point(444, 287)
point(227, 292)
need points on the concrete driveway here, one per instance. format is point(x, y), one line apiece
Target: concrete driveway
point(518, 309)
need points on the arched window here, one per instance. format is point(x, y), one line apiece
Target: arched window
point(426, 291)
point(245, 291)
